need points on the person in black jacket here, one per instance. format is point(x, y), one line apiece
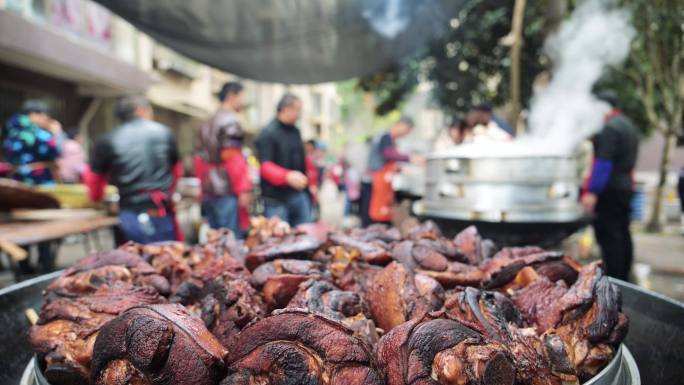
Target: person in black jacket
point(610, 189)
point(141, 159)
point(680, 189)
point(283, 167)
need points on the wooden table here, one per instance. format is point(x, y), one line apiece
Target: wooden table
point(33, 229)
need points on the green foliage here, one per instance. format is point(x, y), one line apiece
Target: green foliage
point(392, 85)
point(651, 82)
point(470, 64)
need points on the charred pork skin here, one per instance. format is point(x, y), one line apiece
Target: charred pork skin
point(219, 292)
point(591, 324)
point(507, 263)
point(67, 328)
point(288, 247)
point(155, 345)
point(322, 297)
point(279, 280)
point(298, 347)
point(434, 350)
point(106, 268)
point(537, 302)
point(471, 244)
point(173, 260)
point(375, 251)
point(377, 231)
point(430, 258)
point(226, 304)
point(396, 295)
point(494, 315)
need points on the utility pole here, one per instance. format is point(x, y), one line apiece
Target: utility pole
point(516, 46)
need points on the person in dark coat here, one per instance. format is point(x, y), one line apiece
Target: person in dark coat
point(680, 189)
point(609, 189)
point(140, 158)
point(284, 184)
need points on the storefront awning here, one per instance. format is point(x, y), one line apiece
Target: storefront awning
point(291, 41)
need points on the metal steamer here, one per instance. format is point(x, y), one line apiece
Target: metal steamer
point(514, 199)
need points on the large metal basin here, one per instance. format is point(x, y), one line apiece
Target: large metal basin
point(655, 339)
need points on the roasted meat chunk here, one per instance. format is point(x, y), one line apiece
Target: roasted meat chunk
point(173, 260)
point(507, 263)
point(471, 244)
point(537, 302)
point(263, 229)
point(287, 247)
point(297, 347)
point(495, 316)
point(396, 295)
point(67, 328)
point(226, 304)
point(377, 231)
point(157, 344)
point(590, 323)
point(279, 280)
point(219, 292)
point(322, 297)
point(435, 350)
point(354, 276)
point(375, 251)
point(106, 268)
point(428, 257)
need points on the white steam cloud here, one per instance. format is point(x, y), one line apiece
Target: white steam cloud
point(566, 112)
point(388, 19)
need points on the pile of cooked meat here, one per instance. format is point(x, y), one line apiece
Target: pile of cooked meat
point(362, 307)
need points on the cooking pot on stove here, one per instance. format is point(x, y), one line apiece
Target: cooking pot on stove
point(514, 197)
point(502, 188)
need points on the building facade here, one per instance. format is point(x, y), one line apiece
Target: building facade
point(80, 57)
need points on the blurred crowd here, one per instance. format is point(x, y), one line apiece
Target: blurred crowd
point(140, 157)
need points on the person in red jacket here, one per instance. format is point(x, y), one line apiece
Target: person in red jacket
point(220, 165)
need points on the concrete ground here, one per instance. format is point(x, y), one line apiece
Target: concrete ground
point(660, 263)
point(659, 258)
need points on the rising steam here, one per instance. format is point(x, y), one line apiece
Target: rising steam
point(598, 34)
point(565, 113)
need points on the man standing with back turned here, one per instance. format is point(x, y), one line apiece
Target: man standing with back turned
point(141, 159)
point(283, 168)
point(609, 189)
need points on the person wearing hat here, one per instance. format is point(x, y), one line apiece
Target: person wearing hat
point(220, 165)
point(32, 143)
point(608, 190)
point(377, 204)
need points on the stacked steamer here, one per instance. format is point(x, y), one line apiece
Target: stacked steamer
point(361, 307)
